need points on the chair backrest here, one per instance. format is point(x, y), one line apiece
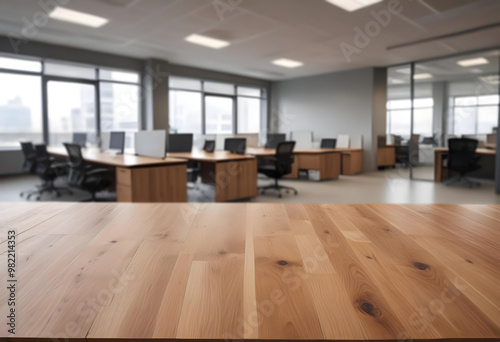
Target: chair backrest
point(80, 139)
point(343, 141)
point(461, 152)
point(182, 143)
point(235, 145)
point(284, 157)
point(76, 175)
point(29, 163)
point(42, 160)
point(209, 146)
point(273, 139)
point(328, 143)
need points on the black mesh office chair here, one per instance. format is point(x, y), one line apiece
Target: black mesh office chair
point(82, 176)
point(462, 158)
point(29, 164)
point(209, 146)
point(48, 171)
point(328, 143)
point(279, 166)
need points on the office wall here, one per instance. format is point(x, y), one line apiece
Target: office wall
point(350, 102)
point(11, 162)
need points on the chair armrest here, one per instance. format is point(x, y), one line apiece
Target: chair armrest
point(96, 172)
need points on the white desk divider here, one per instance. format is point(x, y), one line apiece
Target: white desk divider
point(151, 143)
point(343, 141)
point(303, 139)
point(357, 141)
point(105, 138)
point(219, 140)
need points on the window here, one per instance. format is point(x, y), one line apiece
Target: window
point(20, 64)
point(72, 108)
point(120, 109)
point(194, 102)
point(473, 114)
point(185, 112)
point(70, 71)
point(20, 109)
point(399, 116)
point(219, 115)
point(119, 76)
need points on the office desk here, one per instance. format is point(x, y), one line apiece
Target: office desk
point(261, 272)
point(440, 171)
point(139, 178)
point(326, 160)
point(233, 175)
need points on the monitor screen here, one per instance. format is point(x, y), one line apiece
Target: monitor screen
point(117, 141)
point(235, 145)
point(274, 139)
point(180, 143)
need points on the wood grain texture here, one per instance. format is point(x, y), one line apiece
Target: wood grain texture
point(386, 156)
point(243, 271)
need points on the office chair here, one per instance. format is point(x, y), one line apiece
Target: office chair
point(328, 143)
point(280, 165)
point(29, 164)
point(48, 171)
point(462, 158)
point(209, 146)
point(235, 145)
point(82, 176)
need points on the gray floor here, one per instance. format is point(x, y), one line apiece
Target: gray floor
point(389, 186)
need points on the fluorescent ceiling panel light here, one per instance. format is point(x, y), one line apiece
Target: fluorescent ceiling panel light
point(422, 76)
point(353, 5)
point(75, 17)
point(206, 41)
point(287, 63)
point(473, 61)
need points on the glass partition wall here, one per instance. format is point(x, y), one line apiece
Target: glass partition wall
point(432, 101)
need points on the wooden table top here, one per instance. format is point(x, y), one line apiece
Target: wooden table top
point(216, 156)
point(254, 271)
point(484, 151)
point(120, 160)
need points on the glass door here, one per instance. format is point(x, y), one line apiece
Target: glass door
point(71, 108)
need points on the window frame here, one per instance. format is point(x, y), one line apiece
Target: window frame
point(234, 97)
point(409, 108)
point(453, 106)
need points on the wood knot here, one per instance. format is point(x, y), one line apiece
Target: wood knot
point(385, 229)
point(367, 308)
point(282, 263)
point(222, 252)
point(326, 231)
point(369, 257)
point(421, 266)
point(113, 241)
point(469, 261)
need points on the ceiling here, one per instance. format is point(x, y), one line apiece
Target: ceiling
point(260, 31)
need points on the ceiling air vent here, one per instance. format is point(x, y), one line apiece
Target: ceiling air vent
point(121, 3)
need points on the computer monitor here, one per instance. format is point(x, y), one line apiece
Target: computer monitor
point(273, 139)
point(80, 139)
point(235, 145)
point(180, 143)
point(117, 142)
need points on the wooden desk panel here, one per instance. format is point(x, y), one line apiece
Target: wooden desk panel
point(233, 175)
point(440, 171)
point(138, 272)
point(386, 156)
point(139, 178)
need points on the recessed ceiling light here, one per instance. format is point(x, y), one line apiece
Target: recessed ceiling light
point(473, 61)
point(353, 5)
point(287, 63)
point(75, 17)
point(206, 41)
point(422, 76)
